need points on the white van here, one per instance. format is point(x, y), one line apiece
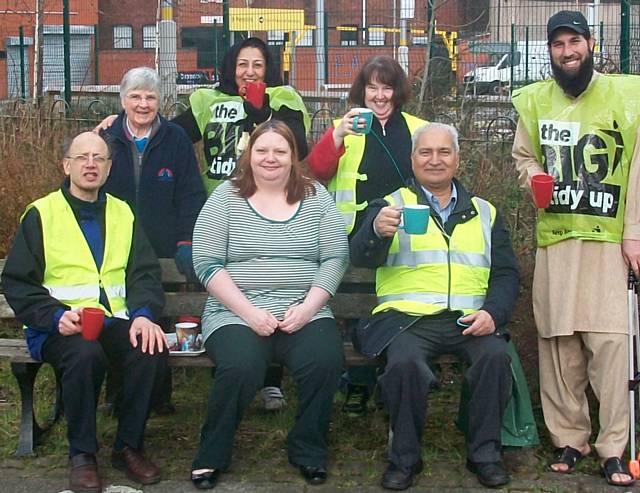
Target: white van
point(530, 63)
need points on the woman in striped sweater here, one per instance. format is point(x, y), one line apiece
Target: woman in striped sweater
point(271, 249)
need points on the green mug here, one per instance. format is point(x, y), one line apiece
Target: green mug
point(415, 219)
point(364, 115)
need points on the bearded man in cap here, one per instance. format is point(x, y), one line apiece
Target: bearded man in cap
point(581, 128)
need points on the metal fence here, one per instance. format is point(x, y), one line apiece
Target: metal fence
point(475, 51)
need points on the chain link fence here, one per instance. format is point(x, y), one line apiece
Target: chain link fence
point(475, 51)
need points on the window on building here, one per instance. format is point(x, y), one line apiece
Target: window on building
point(304, 39)
point(149, 39)
point(376, 35)
point(275, 38)
point(122, 37)
point(348, 35)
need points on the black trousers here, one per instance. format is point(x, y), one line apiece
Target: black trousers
point(408, 377)
point(313, 355)
point(83, 365)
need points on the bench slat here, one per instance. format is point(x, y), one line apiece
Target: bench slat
point(5, 310)
point(344, 305)
point(355, 298)
point(170, 273)
point(15, 350)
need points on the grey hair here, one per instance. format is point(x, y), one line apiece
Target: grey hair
point(142, 78)
point(450, 129)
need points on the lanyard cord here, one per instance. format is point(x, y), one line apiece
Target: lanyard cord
point(395, 164)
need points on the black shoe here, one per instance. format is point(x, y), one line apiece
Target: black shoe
point(313, 474)
point(490, 474)
point(400, 478)
point(205, 480)
point(355, 404)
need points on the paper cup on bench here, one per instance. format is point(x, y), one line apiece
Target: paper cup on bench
point(187, 336)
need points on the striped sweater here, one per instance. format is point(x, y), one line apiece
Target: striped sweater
point(274, 263)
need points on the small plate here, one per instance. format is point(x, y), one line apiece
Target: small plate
point(186, 353)
point(171, 337)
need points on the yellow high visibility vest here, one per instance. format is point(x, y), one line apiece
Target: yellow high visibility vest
point(343, 185)
point(425, 274)
point(587, 144)
point(70, 274)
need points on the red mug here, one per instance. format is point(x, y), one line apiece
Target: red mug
point(542, 188)
point(255, 93)
point(91, 321)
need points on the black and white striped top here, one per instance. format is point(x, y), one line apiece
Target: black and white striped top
point(274, 263)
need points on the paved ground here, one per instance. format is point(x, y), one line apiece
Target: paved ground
point(40, 476)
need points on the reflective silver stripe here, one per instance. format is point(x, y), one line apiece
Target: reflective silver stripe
point(484, 209)
point(121, 314)
point(404, 256)
point(412, 259)
point(116, 291)
point(458, 301)
point(436, 299)
point(344, 196)
point(349, 219)
point(74, 292)
point(462, 301)
point(471, 259)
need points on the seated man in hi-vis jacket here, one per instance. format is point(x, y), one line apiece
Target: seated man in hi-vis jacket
point(449, 290)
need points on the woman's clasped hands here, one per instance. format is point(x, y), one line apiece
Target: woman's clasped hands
point(264, 323)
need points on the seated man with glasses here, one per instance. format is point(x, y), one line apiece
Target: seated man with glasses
point(78, 248)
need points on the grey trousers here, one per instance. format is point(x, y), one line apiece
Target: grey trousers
point(409, 375)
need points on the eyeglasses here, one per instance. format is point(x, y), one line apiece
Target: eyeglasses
point(85, 158)
point(138, 98)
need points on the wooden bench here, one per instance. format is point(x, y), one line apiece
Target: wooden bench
point(354, 300)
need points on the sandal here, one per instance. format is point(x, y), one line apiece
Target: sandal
point(567, 456)
point(613, 465)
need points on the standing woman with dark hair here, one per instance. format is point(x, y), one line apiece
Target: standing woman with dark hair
point(224, 119)
point(270, 247)
point(360, 168)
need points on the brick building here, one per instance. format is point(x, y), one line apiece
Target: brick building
point(111, 36)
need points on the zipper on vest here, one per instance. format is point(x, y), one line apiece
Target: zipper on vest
point(436, 219)
point(449, 273)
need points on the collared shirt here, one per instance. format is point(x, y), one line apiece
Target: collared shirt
point(140, 142)
point(443, 212)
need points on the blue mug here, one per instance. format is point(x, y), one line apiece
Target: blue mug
point(364, 115)
point(415, 219)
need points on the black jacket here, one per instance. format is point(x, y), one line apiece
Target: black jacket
point(23, 274)
point(367, 250)
point(227, 71)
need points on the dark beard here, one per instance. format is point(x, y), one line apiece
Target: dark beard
point(574, 85)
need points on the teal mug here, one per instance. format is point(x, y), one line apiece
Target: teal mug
point(415, 219)
point(365, 115)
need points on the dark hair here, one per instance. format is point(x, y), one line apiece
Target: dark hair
point(227, 68)
point(299, 185)
point(386, 70)
point(68, 141)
